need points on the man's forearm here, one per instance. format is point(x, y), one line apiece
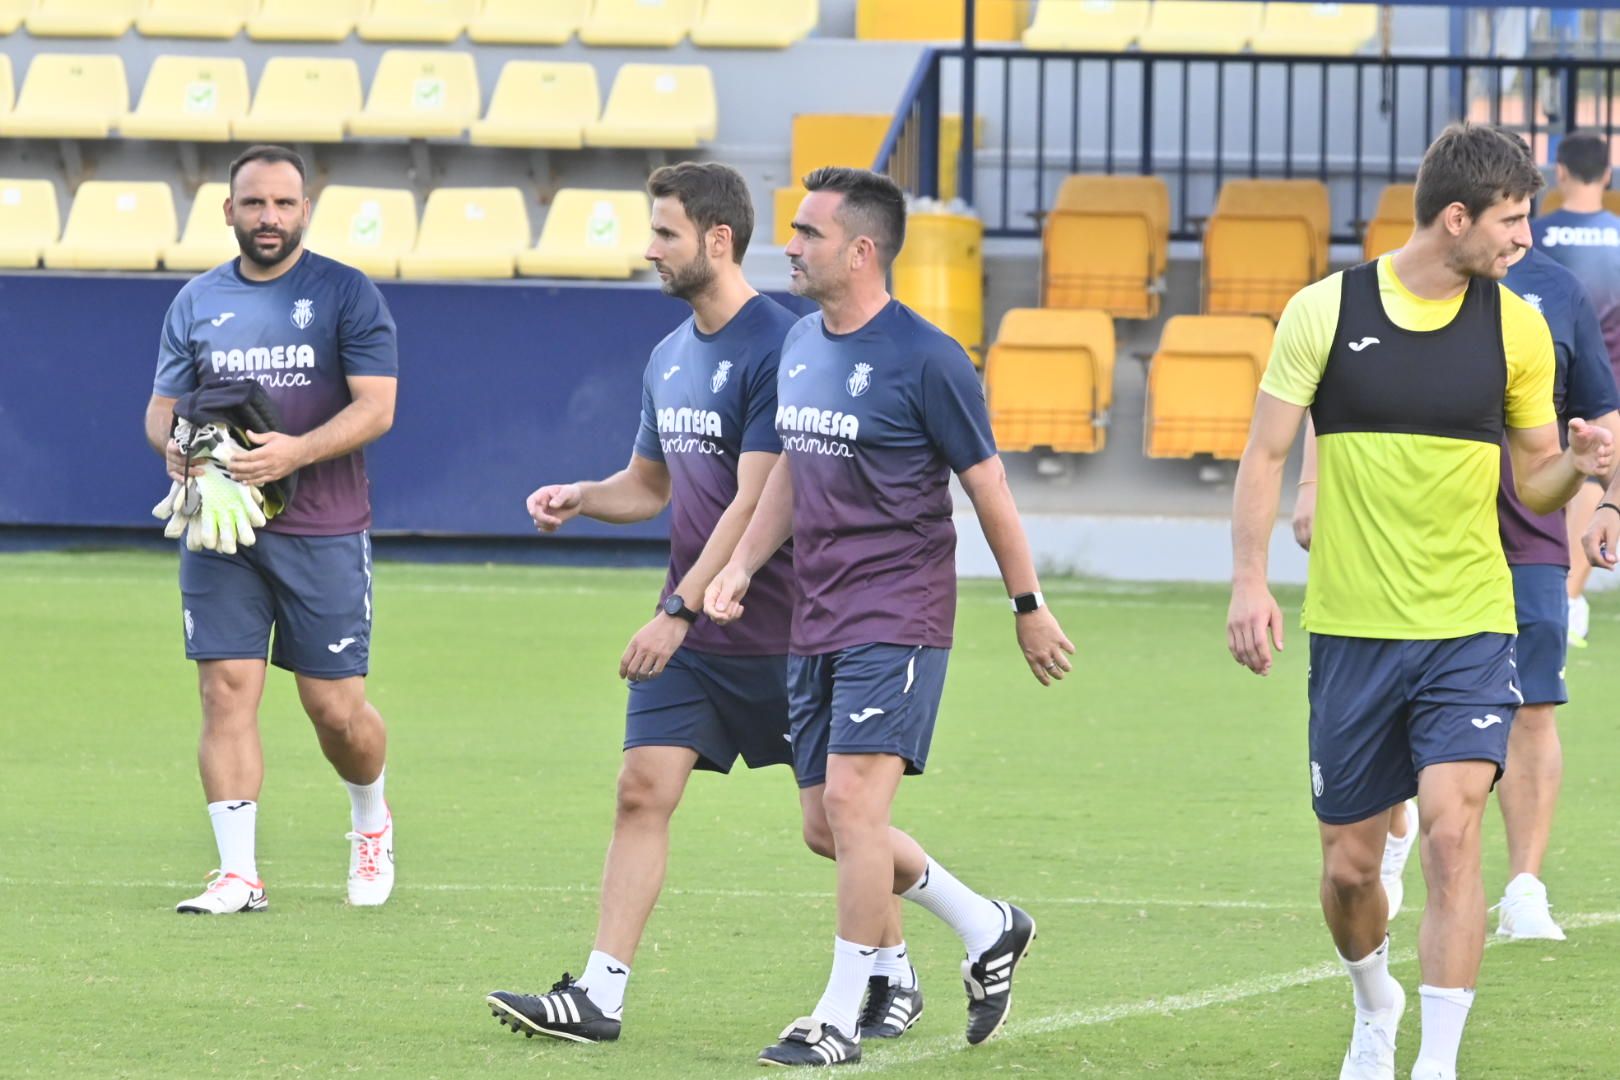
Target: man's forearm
point(771, 523)
point(1254, 515)
point(159, 423)
point(716, 553)
point(1552, 484)
point(356, 425)
point(1003, 530)
point(622, 499)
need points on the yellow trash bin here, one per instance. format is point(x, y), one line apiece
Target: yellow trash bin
point(940, 275)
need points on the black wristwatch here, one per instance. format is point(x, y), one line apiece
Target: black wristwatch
point(1024, 603)
point(676, 607)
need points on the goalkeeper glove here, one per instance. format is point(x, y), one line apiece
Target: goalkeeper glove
point(226, 515)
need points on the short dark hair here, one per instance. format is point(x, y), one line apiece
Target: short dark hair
point(1476, 165)
point(711, 194)
point(270, 155)
point(874, 202)
point(1584, 155)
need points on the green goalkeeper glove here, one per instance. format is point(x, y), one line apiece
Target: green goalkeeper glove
point(227, 513)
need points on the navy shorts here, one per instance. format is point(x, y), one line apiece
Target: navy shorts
point(1382, 711)
point(867, 699)
point(1542, 597)
point(722, 707)
point(315, 591)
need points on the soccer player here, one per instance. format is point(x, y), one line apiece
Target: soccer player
point(1538, 554)
point(318, 337)
point(1585, 237)
point(1415, 368)
point(876, 408)
point(701, 694)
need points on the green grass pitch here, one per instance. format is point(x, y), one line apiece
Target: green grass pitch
point(1152, 812)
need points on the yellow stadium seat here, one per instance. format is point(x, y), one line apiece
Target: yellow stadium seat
point(1306, 200)
point(936, 20)
point(1202, 384)
point(469, 233)
point(525, 22)
point(67, 96)
point(540, 104)
point(755, 24)
point(368, 228)
point(657, 23)
point(1391, 224)
point(421, 94)
point(1087, 25)
point(29, 222)
point(81, 18)
point(591, 234)
point(1253, 265)
point(306, 20)
point(11, 14)
point(849, 139)
point(1106, 245)
point(440, 21)
point(668, 106)
point(195, 18)
point(302, 99)
point(1049, 379)
point(1553, 199)
point(1201, 26)
point(1317, 29)
point(190, 98)
point(206, 241)
point(786, 205)
point(115, 226)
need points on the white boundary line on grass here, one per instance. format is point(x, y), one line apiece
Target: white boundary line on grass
point(1230, 993)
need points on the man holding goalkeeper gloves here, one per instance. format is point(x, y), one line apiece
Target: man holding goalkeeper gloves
point(277, 366)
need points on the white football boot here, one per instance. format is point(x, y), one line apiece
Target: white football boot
point(1372, 1044)
point(371, 865)
point(1428, 1070)
point(227, 894)
point(1525, 914)
point(1396, 851)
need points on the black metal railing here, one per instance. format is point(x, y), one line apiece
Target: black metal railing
point(1356, 123)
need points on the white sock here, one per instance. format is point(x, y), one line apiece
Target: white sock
point(1580, 616)
point(367, 809)
point(604, 981)
point(841, 1001)
point(976, 920)
point(1374, 986)
point(892, 964)
point(234, 822)
point(1445, 1011)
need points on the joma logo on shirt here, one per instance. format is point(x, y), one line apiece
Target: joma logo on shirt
point(272, 359)
point(689, 422)
point(818, 421)
point(1581, 236)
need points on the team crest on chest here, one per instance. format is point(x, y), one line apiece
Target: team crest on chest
point(303, 313)
point(721, 374)
point(859, 381)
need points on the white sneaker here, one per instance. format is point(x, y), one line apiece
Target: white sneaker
point(1428, 1070)
point(1396, 851)
point(1525, 913)
point(371, 865)
point(1372, 1044)
point(227, 894)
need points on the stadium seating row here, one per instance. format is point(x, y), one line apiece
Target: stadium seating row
point(1049, 379)
point(463, 233)
point(1150, 25)
point(417, 93)
point(710, 23)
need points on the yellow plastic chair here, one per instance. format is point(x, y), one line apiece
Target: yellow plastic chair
point(1317, 29)
point(302, 99)
point(469, 233)
point(755, 24)
point(114, 225)
point(664, 106)
point(29, 222)
point(421, 94)
point(1202, 384)
point(191, 98)
point(936, 20)
point(206, 241)
point(306, 20)
point(11, 14)
point(367, 228)
point(526, 22)
point(1087, 25)
point(438, 21)
point(1049, 380)
point(540, 104)
point(69, 96)
point(1391, 223)
point(1106, 245)
point(82, 18)
point(591, 234)
point(655, 23)
point(1306, 200)
point(195, 18)
point(1201, 26)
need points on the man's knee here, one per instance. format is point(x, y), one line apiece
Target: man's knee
point(1349, 875)
point(818, 836)
point(643, 793)
point(230, 692)
point(1535, 720)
